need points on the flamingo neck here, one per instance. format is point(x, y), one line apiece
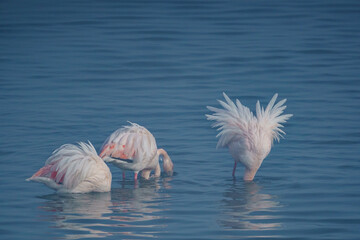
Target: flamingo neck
point(162, 152)
point(249, 174)
point(167, 163)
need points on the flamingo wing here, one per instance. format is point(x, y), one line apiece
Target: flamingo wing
point(69, 165)
point(238, 124)
point(132, 143)
point(235, 123)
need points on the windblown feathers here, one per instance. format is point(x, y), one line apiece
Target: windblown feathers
point(270, 119)
point(70, 165)
point(237, 122)
point(134, 143)
point(248, 137)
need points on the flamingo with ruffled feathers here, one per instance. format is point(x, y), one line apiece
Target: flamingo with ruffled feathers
point(75, 169)
point(249, 138)
point(133, 148)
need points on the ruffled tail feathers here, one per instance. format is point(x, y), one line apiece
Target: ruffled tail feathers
point(65, 162)
point(235, 120)
point(270, 119)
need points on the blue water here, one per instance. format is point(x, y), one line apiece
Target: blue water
point(76, 71)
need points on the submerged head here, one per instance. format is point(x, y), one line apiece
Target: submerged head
point(249, 174)
point(168, 165)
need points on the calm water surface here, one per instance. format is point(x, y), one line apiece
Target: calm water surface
point(76, 71)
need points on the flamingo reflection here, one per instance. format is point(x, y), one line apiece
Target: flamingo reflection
point(140, 203)
point(126, 211)
point(244, 207)
point(77, 212)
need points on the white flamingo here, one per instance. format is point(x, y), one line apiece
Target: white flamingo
point(75, 169)
point(134, 148)
point(248, 137)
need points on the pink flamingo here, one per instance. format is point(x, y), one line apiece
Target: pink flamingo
point(75, 169)
point(134, 148)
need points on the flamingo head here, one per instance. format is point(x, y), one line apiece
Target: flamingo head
point(250, 174)
point(168, 165)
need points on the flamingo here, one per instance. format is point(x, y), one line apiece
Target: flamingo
point(134, 148)
point(75, 169)
point(249, 138)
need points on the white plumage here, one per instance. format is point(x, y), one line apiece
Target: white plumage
point(75, 169)
point(248, 137)
point(134, 148)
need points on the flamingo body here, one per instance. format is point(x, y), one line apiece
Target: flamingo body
point(75, 169)
point(249, 138)
point(133, 148)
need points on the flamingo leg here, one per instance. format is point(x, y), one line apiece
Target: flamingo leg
point(233, 173)
point(123, 175)
point(135, 176)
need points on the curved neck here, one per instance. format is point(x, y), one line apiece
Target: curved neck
point(161, 151)
point(167, 163)
point(249, 174)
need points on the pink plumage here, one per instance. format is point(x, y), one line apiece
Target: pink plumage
point(75, 169)
point(134, 148)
